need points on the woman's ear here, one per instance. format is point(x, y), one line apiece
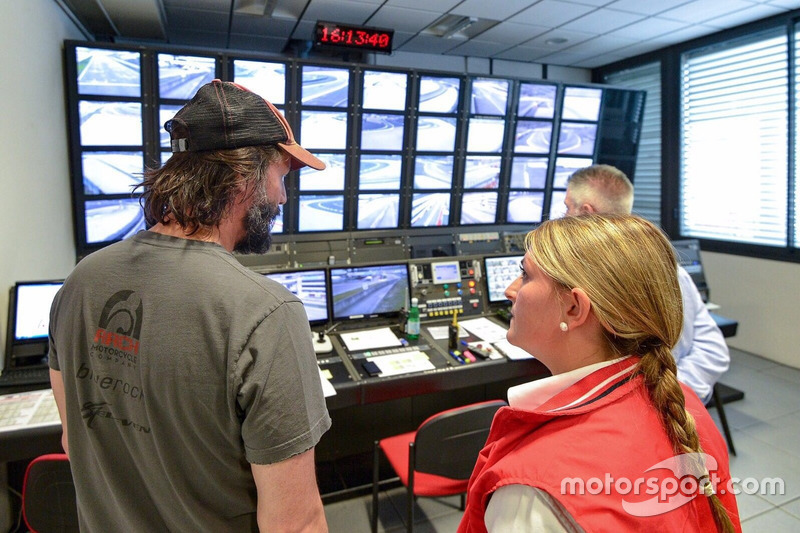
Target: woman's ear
point(577, 307)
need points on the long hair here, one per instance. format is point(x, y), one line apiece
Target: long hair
point(627, 267)
point(197, 189)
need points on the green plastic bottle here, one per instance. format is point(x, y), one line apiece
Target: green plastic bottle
point(412, 326)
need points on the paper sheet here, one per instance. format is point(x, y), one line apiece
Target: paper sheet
point(327, 386)
point(28, 410)
point(368, 339)
point(442, 332)
point(484, 329)
point(402, 363)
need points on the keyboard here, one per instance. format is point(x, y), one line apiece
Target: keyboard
point(25, 376)
point(390, 351)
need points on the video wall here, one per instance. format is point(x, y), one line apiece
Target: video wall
point(405, 149)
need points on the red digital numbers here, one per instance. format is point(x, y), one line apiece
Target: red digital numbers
point(331, 34)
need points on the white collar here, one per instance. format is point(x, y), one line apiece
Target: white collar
point(529, 396)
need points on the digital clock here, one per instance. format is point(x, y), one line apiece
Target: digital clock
point(335, 35)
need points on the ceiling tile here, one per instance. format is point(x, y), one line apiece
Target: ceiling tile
point(402, 19)
point(572, 38)
point(262, 26)
point(188, 37)
point(648, 28)
point(523, 53)
point(699, 11)
point(338, 11)
point(304, 30)
point(512, 33)
point(195, 19)
point(478, 48)
point(686, 34)
point(272, 45)
point(220, 6)
point(743, 16)
point(551, 13)
point(442, 6)
point(787, 4)
point(646, 8)
point(602, 44)
point(490, 10)
point(429, 44)
point(602, 21)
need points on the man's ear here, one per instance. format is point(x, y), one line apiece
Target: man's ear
point(587, 209)
point(577, 307)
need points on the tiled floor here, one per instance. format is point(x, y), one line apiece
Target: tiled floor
point(765, 427)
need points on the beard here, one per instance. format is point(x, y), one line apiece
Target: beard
point(258, 225)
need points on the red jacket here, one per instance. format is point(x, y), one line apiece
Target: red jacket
point(589, 446)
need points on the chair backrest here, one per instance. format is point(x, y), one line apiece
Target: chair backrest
point(447, 444)
point(48, 495)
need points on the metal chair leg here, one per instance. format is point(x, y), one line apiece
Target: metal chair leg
point(375, 479)
point(723, 419)
point(410, 492)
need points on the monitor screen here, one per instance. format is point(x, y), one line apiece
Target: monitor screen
point(557, 207)
point(533, 136)
point(500, 273)
point(536, 100)
point(108, 72)
point(377, 211)
point(31, 313)
point(310, 287)
point(525, 207)
point(323, 130)
point(113, 220)
point(267, 80)
point(581, 103)
point(165, 113)
point(180, 77)
point(385, 90)
point(482, 172)
point(430, 209)
point(436, 134)
point(325, 86)
point(330, 179)
point(449, 272)
point(438, 95)
point(485, 135)
point(320, 212)
point(528, 172)
point(577, 138)
point(111, 172)
point(110, 123)
point(489, 96)
point(565, 167)
point(368, 291)
point(478, 208)
point(381, 131)
point(379, 172)
point(433, 172)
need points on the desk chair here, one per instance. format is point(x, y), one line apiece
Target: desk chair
point(438, 458)
point(716, 400)
point(48, 495)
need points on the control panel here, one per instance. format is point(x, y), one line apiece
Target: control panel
point(447, 286)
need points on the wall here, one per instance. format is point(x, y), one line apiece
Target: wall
point(762, 296)
point(36, 240)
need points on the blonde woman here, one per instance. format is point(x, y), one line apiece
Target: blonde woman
point(612, 441)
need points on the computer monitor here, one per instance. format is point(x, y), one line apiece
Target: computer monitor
point(500, 271)
point(312, 289)
point(688, 252)
point(373, 291)
point(29, 321)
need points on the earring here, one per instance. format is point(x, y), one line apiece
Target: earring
point(563, 326)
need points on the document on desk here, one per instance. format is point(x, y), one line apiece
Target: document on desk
point(484, 329)
point(28, 410)
point(327, 386)
point(402, 363)
point(369, 339)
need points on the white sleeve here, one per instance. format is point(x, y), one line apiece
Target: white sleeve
point(522, 509)
point(701, 353)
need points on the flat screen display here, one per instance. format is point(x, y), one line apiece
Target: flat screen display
point(385, 90)
point(111, 172)
point(377, 211)
point(32, 302)
point(528, 172)
point(478, 208)
point(557, 207)
point(581, 103)
point(320, 212)
point(485, 135)
point(324, 86)
point(577, 138)
point(165, 113)
point(525, 207)
point(533, 136)
point(267, 80)
point(489, 96)
point(500, 273)
point(108, 72)
point(113, 220)
point(368, 291)
point(565, 167)
point(180, 77)
point(324, 130)
point(330, 179)
point(377, 172)
point(430, 209)
point(381, 131)
point(310, 286)
point(438, 95)
point(110, 123)
point(449, 272)
point(277, 225)
point(536, 100)
point(482, 172)
point(433, 172)
point(436, 134)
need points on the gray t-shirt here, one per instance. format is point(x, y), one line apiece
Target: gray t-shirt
point(181, 367)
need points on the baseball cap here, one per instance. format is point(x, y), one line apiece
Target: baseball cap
point(224, 115)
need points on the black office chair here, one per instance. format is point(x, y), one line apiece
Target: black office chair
point(48, 495)
point(438, 458)
point(716, 401)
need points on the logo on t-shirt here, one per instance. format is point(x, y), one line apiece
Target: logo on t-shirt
point(116, 338)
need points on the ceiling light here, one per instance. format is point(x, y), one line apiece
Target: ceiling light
point(255, 7)
point(459, 26)
point(553, 41)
